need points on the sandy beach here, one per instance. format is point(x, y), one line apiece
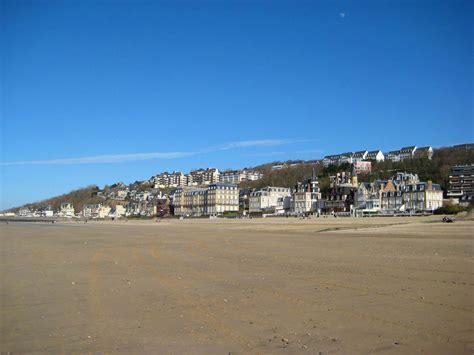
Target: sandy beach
point(260, 286)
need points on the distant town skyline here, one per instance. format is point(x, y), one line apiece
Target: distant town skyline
point(95, 92)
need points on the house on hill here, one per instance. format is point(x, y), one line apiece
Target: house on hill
point(376, 155)
point(424, 152)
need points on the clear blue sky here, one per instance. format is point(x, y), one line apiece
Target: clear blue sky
point(139, 87)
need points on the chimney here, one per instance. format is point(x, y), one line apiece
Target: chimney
point(430, 185)
point(354, 181)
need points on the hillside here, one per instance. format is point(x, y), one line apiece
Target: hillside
point(77, 198)
point(436, 170)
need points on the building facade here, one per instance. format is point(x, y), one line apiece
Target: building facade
point(375, 155)
point(237, 176)
point(461, 183)
point(214, 199)
point(266, 198)
point(422, 196)
point(307, 197)
point(95, 211)
point(66, 210)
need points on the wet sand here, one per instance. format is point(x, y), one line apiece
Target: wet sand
point(352, 286)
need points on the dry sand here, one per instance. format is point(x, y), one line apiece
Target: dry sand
point(352, 286)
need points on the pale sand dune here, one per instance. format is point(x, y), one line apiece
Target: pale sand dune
point(352, 286)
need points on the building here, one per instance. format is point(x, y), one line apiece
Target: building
point(266, 198)
point(361, 167)
point(422, 196)
point(214, 199)
point(392, 199)
point(244, 200)
point(166, 180)
point(404, 178)
point(283, 205)
point(25, 212)
point(393, 156)
point(66, 210)
point(307, 196)
point(232, 176)
point(118, 211)
point(461, 183)
point(402, 154)
point(47, 212)
point(202, 177)
point(237, 176)
point(407, 152)
point(359, 156)
point(344, 158)
point(424, 152)
point(222, 198)
point(368, 197)
point(95, 211)
point(375, 155)
point(341, 193)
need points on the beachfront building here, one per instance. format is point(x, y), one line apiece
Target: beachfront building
point(368, 197)
point(66, 209)
point(461, 183)
point(95, 211)
point(47, 211)
point(283, 205)
point(392, 199)
point(266, 198)
point(307, 196)
point(222, 198)
point(118, 211)
point(422, 196)
point(214, 199)
point(340, 198)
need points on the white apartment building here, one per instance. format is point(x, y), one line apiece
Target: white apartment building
point(237, 176)
point(376, 155)
point(267, 198)
point(232, 176)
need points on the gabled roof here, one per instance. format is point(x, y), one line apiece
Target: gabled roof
point(408, 149)
point(374, 152)
point(360, 154)
point(424, 148)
